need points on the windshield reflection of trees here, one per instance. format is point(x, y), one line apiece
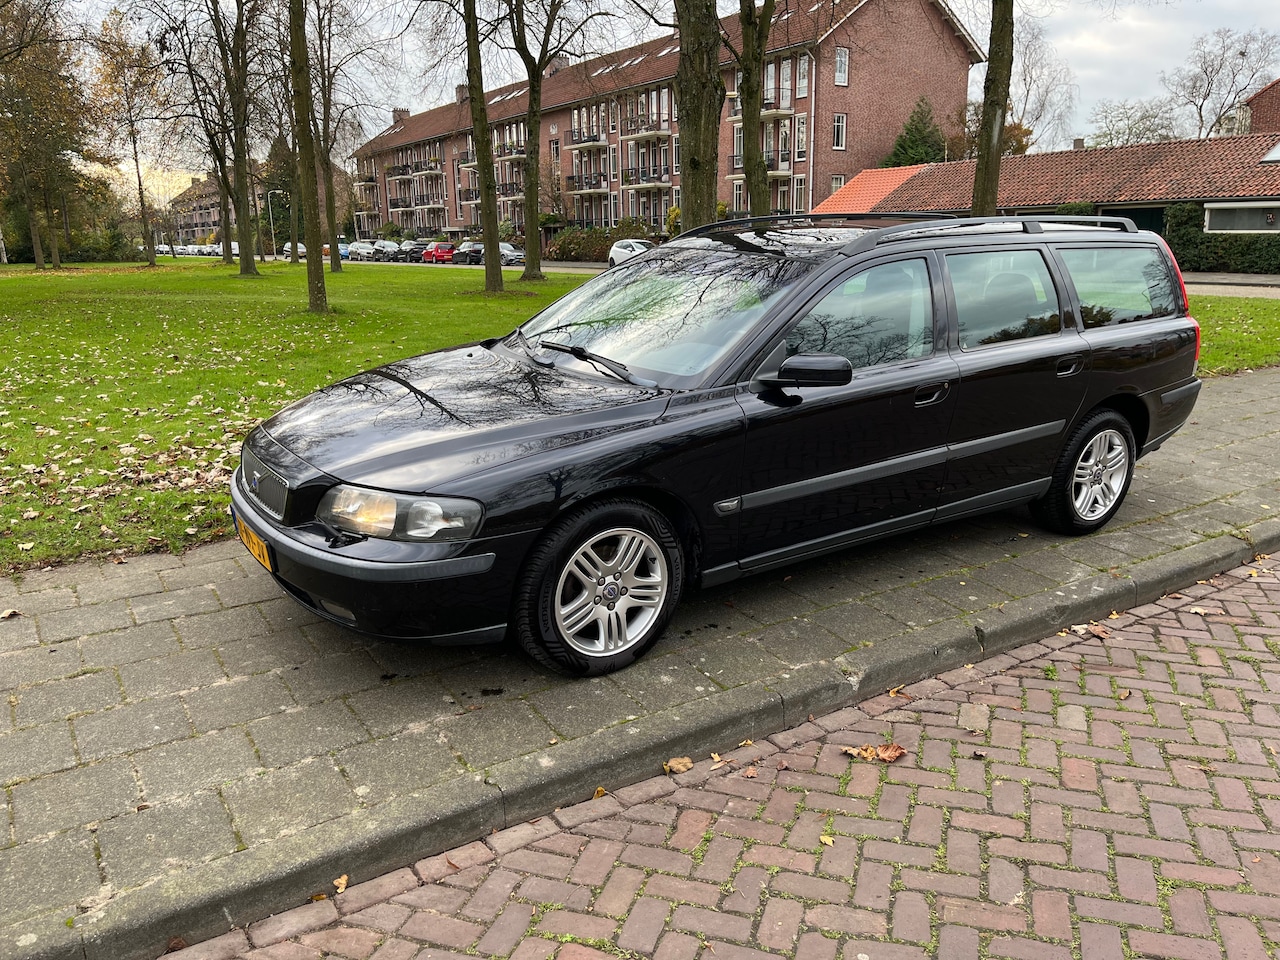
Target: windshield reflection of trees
point(637, 312)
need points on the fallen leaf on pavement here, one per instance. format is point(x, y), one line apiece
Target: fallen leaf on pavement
point(1124, 694)
point(600, 792)
point(9, 614)
point(750, 773)
point(827, 841)
point(678, 765)
point(889, 752)
point(898, 692)
point(340, 884)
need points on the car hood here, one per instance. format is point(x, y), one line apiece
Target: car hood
point(417, 423)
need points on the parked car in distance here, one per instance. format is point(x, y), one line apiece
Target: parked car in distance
point(469, 251)
point(360, 250)
point(344, 251)
point(624, 250)
point(509, 253)
point(386, 250)
point(438, 251)
point(747, 395)
point(411, 250)
point(286, 250)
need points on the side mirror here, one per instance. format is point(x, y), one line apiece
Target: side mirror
point(806, 370)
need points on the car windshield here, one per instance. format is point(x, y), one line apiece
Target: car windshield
point(673, 315)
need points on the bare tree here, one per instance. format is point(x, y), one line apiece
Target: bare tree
point(482, 146)
point(699, 91)
point(300, 77)
point(1121, 123)
point(542, 31)
point(1223, 69)
point(754, 22)
point(128, 99)
point(995, 103)
point(1042, 88)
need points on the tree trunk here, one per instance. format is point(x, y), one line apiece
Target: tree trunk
point(148, 240)
point(532, 164)
point(55, 257)
point(995, 101)
point(330, 211)
point(699, 90)
point(755, 41)
point(33, 223)
point(300, 75)
point(484, 151)
point(224, 221)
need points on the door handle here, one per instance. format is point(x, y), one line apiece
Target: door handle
point(932, 393)
point(1070, 366)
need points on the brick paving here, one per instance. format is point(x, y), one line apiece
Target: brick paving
point(1111, 791)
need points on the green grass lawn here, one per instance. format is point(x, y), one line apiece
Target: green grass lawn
point(125, 392)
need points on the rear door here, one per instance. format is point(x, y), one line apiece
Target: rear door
point(828, 466)
point(1022, 376)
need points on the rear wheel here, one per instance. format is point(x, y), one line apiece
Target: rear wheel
point(600, 588)
point(1091, 477)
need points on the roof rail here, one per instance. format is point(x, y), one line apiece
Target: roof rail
point(804, 219)
point(1028, 224)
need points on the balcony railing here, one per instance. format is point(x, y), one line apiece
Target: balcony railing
point(466, 157)
point(511, 189)
point(400, 203)
point(470, 196)
point(772, 100)
point(585, 136)
point(588, 223)
point(633, 176)
point(588, 181)
point(400, 170)
point(432, 165)
point(367, 178)
point(428, 201)
point(643, 126)
point(501, 150)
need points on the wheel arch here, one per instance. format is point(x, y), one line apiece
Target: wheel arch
point(1132, 409)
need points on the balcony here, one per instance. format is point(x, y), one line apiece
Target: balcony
point(510, 189)
point(400, 203)
point(468, 158)
point(642, 128)
point(588, 223)
point(366, 178)
point(777, 163)
point(587, 140)
point(503, 151)
point(429, 203)
point(774, 103)
point(587, 183)
point(433, 165)
point(469, 196)
point(400, 170)
point(638, 177)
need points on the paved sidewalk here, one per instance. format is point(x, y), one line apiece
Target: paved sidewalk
point(1118, 791)
point(188, 751)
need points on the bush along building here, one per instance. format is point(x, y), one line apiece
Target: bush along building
point(840, 78)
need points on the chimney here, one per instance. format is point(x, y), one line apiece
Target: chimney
point(1077, 143)
point(556, 65)
point(399, 114)
point(462, 93)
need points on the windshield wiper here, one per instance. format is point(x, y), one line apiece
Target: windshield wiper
point(613, 366)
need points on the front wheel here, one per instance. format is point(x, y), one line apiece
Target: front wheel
point(600, 588)
point(1091, 477)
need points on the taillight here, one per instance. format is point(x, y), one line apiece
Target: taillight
point(1182, 286)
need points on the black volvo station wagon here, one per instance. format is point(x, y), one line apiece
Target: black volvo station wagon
point(746, 395)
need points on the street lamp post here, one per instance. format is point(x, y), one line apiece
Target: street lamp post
point(271, 220)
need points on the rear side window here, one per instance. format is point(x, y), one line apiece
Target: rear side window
point(1002, 295)
point(1120, 284)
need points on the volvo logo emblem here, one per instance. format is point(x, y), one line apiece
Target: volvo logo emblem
point(611, 591)
point(253, 484)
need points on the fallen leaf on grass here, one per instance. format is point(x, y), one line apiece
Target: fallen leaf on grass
point(26, 546)
point(678, 765)
point(340, 884)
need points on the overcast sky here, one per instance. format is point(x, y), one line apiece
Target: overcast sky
point(1118, 53)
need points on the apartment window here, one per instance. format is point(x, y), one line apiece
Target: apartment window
point(737, 148)
point(675, 153)
point(613, 164)
point(554, 147)
point(838, 123)
point(802, 76)
point(802, 136)
point(842, 66)
point(613, 116)
point(801, 199)
point(737, 196)
point(837, 181)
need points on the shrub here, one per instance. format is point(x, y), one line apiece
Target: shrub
point(1200, 252)
point(592, 244)
point(1075, 210)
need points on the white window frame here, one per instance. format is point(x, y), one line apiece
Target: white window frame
point(837, 181)
point(799, 199)
point(841, 70)
point(839, 131)
point(800, 145)
point(802, 76)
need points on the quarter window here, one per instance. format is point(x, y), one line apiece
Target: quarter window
point(1120, 284)
point(1001, 296)
point(882, 315)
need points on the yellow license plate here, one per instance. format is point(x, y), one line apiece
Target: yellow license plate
point(255, 544)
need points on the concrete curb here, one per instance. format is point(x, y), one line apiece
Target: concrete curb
point(233, 892)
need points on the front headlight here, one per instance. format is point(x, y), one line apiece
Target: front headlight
point(390, 516)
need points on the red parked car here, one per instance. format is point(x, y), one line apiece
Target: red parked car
point(438, 251)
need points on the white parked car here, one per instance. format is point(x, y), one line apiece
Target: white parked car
point(626, 249)
point(361, 250)
point(287, 250)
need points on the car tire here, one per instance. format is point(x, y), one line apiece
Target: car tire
point(599, 589)
point(611, 262)
point(1091, 477)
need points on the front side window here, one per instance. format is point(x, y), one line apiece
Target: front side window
point(842, 66)
point(1002, 295)
point(1120, 284)
point(882, 315)
point(838, 124)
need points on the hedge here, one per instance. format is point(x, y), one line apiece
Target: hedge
point(1200, 252)
point(592, 244)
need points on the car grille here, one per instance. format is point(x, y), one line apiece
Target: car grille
point(264, 484)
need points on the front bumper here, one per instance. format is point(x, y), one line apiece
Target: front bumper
point(443, 592)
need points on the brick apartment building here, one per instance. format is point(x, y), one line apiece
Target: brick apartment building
point(1264, 109)
point(840, 80)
